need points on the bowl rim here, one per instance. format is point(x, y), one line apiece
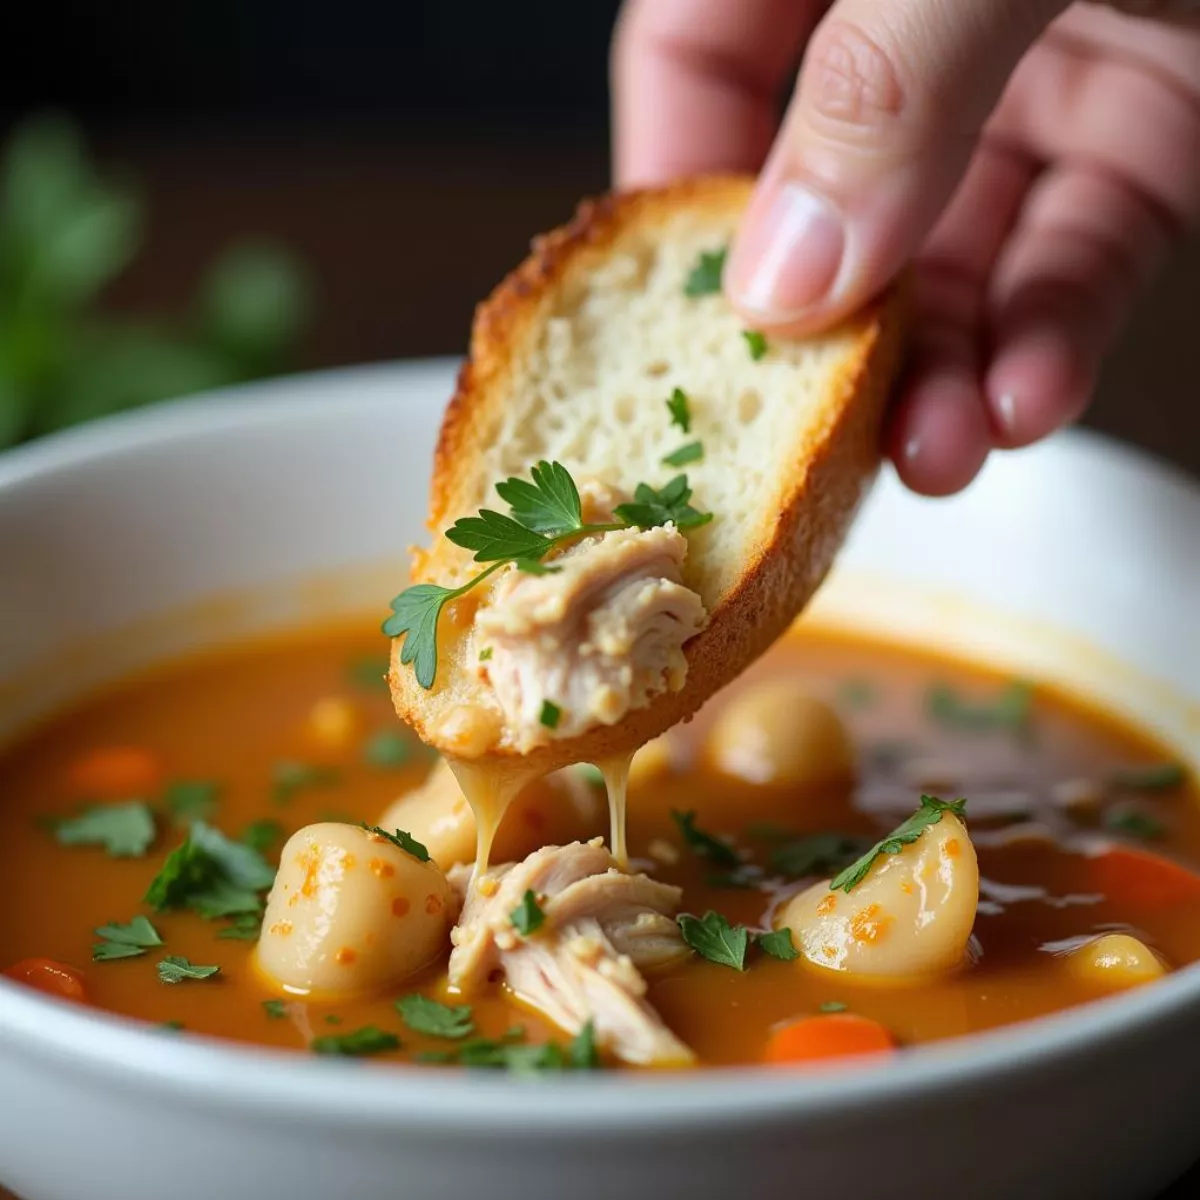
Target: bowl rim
point(270, 1083)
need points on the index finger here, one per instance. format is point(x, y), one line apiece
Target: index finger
point(697, 83)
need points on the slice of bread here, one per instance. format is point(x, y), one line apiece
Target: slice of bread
point(572, 360)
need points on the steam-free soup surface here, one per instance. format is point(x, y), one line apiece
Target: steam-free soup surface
point(1077, 821)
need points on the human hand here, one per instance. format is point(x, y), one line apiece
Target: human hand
point(1036, 161)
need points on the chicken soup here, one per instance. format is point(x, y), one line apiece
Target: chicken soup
point(853, 850)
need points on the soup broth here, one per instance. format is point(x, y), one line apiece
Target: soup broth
point(1078, 822)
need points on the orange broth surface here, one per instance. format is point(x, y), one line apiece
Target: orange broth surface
point(233, 716)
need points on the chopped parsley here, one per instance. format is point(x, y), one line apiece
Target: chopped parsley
point(690, 452)
point(415, 614)
point(275, 1009)
point(289, 777)
point(744, 875)
point(261, 835)
point(423, 1015)
point(703, 844)
point(175, 969)
point(402, 840)
point(125, 941)
point(680, 409)
point(547, 505)
point(332, 1019)
point(888, 756)
point(1010, 710)
point(550, 715)
point(388, 748)
point(857, 694)
point(429, 1057)
point(816, 854)
point(580, 1054)
point(756, 343)
point(170, 1026)
point(543, 513)
point(369, 674)
point(225, 899)
point(778, 944)
point(124, 830)
point(1134, 822)
point(188, 799)
point(1154, 777)
point(527, 918)
point(705, 277)
point(929, 813)
point(485, 655)
point(211, 875)
point(714, 938)
point(590, 774)
point(243, 927)
point(652, 507)
point(531, 566)
point(832, 1006)
point(359, 1044)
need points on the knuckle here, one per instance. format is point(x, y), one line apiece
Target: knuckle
point(851, 80)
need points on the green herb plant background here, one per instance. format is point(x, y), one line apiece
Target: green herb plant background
point(65, 232)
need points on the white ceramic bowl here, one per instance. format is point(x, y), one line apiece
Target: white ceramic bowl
point(1078, 561)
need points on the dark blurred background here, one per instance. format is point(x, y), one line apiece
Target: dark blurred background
point(404, 154)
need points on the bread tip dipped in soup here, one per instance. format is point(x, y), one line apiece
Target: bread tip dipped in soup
point(672, 492)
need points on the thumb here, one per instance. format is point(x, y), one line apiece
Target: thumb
point(889, 106)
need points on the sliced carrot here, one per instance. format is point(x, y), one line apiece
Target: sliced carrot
point(116, 773)
point(1143, 880)
point(836, 1035)
point(53, 978)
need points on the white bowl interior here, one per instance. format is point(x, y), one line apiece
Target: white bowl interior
point(276, 505)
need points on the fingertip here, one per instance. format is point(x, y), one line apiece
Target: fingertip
point(1040, 380)
point(786, 257)
point(938, 435)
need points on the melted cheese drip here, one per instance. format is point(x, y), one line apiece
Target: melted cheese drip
point(616, 783)
point(489, 790)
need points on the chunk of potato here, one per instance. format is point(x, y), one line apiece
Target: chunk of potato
point(910, 918)
point(1115, 961)
point(350, 912)
point(776, 732)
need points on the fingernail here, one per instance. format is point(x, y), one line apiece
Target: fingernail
point(788, 253)
point(1004, 406)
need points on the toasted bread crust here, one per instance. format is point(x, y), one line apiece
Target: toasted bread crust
point(502, 321)
point(799, 533)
